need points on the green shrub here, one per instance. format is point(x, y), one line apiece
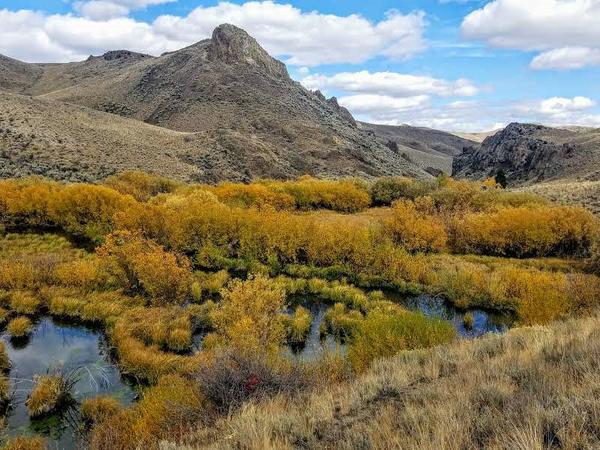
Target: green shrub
point(298, 325)
point(383, 335)
point(387, 190)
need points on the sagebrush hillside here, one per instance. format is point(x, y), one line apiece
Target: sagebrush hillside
point(432, 150)
point(249, 117)
point(517, 391)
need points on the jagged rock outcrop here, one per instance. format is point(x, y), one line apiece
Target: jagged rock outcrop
point(231, 45)
point(529, 153)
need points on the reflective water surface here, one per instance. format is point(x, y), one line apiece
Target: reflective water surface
point(58, 346)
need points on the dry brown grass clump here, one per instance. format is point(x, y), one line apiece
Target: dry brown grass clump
point(26, 443)
point(48, 393)
point(4, 361)
point(532, 388)
point(97, 409)
point(25, 303)
point(19, 327)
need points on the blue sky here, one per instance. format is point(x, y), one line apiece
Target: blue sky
point(461, 65)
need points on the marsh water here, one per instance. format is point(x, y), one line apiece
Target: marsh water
point(483, 322)
point(316, 345)
point(59, 346)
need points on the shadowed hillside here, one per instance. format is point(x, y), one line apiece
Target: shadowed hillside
point(251, 118)
point(430, 149)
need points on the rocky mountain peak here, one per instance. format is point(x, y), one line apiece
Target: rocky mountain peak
point(123, 55)
point(231, 45)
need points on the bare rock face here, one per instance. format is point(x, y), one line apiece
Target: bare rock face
point(232, 45)
point(343, 112)
point(525, 152)
point(122, 55)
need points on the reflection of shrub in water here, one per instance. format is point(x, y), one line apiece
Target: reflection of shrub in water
point(4, 361)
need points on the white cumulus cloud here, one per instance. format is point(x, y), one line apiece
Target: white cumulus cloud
point(566, 31)
point(391, 84)
point(567, 58)
point(299, 37)
point(108, 9)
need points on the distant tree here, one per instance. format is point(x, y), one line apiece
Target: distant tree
point(501, 178)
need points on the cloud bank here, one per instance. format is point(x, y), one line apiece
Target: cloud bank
point(300, 38)
point(565, 32)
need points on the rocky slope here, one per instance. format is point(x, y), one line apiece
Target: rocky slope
point(533, 153)
point(432, 150)
point(248, 118)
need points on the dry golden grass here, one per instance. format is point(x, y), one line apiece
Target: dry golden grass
point(533, 388)
point(94, 410)
point(584, 193)
point(26, 443)
point(19, 327)
point(48, 392)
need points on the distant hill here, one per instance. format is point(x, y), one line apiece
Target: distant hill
point(476, 137)
point(432, 150)
point(245, 116)
point(530, 154)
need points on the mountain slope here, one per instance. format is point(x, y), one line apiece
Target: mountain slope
point(533, 153)
point(250, 118)
point(73, 143)
point(430, 149)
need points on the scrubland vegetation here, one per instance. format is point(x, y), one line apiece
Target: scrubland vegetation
point(155, 263)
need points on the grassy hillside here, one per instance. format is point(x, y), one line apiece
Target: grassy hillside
point(62, 141)
point(432, 150)
point(67, 142)
point(584, 193)
point(533, 388)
